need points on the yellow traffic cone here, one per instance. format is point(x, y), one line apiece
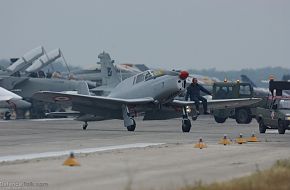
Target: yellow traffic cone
point(253, 138)
point(240, 139)
point(225, 141)
point(200, 144)
point(71, 161)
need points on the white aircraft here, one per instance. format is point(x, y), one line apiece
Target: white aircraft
point(9, 100)
point(146, 91)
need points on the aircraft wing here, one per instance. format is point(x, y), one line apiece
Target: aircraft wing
point(5, 98)
point(87, 100)
point(6, 95)
point(220, 103)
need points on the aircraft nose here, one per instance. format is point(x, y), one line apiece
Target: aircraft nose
point(183, 75)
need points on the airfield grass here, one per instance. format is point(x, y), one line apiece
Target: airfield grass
point(275, 178)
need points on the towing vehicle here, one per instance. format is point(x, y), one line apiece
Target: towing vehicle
point(276, 113)
point(234, 90)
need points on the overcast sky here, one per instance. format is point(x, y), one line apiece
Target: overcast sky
point(181, 34)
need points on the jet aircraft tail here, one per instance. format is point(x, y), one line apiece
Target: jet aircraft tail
point(245, 78)
point(83, 88)
point(110, 76)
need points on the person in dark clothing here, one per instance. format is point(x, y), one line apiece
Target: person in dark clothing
point(193, 92)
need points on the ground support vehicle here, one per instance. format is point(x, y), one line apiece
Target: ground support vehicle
point(233, 90)
point(276, 113)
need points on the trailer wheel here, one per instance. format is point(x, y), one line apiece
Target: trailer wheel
point(281, 127)
point(243, 116)
point(262, 126)
point(219, 119)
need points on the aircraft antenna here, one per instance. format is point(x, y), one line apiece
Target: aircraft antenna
point(121, 75)
point(64, 61)
point(51, 65)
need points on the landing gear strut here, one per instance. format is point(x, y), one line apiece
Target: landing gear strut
point(129, 121)
point(85, 125)
point(7, 115)
point(186, 124)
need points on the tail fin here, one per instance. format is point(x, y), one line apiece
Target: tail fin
point(110, 76)
point(83, 88)
point(245, 78)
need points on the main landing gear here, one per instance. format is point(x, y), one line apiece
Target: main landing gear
point(186, 124)
point(129, 121)
point(85, 125)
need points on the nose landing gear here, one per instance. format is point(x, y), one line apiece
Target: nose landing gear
point(186, 124)
point(85, 125)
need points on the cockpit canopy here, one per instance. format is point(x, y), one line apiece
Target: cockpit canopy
point(151, 74)
point(148, 75)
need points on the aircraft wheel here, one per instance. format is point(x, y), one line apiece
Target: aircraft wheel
point(281, 127)
point(194, 117)
point(219, 119)
point(262, 126)
point(7, 115)
point(85, 126)
point(186, 125)
point(132, 127)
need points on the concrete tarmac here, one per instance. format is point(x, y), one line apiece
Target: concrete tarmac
point(172, 163)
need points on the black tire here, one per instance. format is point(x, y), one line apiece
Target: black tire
point(7, 115)
point(194, 117)
point(186, 125)
point(262, 126)
point(281, 127)
point(132, 127)
point(219, 119)
point(243, 116)
point(85, 126)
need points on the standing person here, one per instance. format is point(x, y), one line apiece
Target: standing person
point(193, 92)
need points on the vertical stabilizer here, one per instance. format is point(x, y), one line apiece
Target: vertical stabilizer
point(110, 76)
point(245, 78)
point(83, 88)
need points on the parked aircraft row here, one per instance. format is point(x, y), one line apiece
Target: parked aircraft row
point(151, 92)
point(17, 78)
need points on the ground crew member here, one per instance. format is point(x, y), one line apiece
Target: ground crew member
point(193, 92)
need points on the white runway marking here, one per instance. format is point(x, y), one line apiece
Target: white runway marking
point(78, 151)
point(53, 119)
point(274, 131)
point(49, 119)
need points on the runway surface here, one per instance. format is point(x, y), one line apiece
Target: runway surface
point(116, 159)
